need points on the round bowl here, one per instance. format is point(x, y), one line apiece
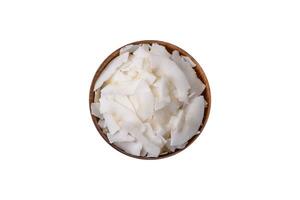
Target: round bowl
point(170, 48)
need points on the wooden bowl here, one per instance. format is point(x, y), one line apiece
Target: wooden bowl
point(170, 48)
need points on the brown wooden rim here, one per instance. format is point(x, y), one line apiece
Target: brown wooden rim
point(170, 47)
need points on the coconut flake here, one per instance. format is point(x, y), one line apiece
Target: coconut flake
point(143, 152)
point(141, 52)
point(120, 77)
point(120, 136)
point(196, 84)
point(133, 148)
point(169, 69)
point(101, 123)
point(159, 50)
point(188, 59)
point(110, 69)
point(194, 112)
point(147, 76)
point(145, 99)
point(95, 109)
point(124, 101)
point(177, 122)
point(97, 96)
point(162, 91)
point(151, 149)
point(111, 124)
point(122, 88)
point(120, 112)
point(156, 139)
point(129, 48)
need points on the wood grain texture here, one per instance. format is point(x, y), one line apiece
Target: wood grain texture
point(170, 47)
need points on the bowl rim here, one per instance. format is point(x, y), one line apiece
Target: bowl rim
point(170, 47)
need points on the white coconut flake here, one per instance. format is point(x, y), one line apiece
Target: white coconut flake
point(159, 50)
point(193, 117)
point(188, 59)
point(156, 139)
point(120, 112)
point(129, 48)
point(172, 72)
point(124, 101)
point(95, 109)
point(102, 123)
point(151, 149)
point(121, 76)
point(196, 84)
point(141, 52)
point(111, 123)
point(162, 117)
point(110, 69)
point(123, 88)
point(145, 100)
point(162, 92)
point(133, 148)
point(147, 76)
point(146, 46)
point(120, 136)
point(177, 121)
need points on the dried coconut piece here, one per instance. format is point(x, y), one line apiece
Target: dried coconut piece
point(158, 128)
point(188, 59)
point(134, 101)
point(147, 47)
point(121, 88)
point(110, 69)
point(147, 65)
point(97, 95)
point(125, 67)
point(197, 87)
point(133, 148)
point(143, 152)
point(95, 109)
point(161, 119)
point(157, 140)
point(162, 99)
point(141, 52)
point(124, 100)
point(101, 123)
point(194, 112)
point(129, 48)
point(182, 145)
point(162, 116)
point(177, 121)
point(169, 147)
point(136, 63)
point(173, 148)
point(111, 123)
point(159, 50)
point(145, 99)
point(120, 112)
point(174, 105)
point(168, 68)
point(120, 136)
point(120, 77)
point(147, 76)
point(151, 149)
point(127, 119)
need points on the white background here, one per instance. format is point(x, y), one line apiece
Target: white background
point(50, 50)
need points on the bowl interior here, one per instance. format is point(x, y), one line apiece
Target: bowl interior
point(170, 48)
